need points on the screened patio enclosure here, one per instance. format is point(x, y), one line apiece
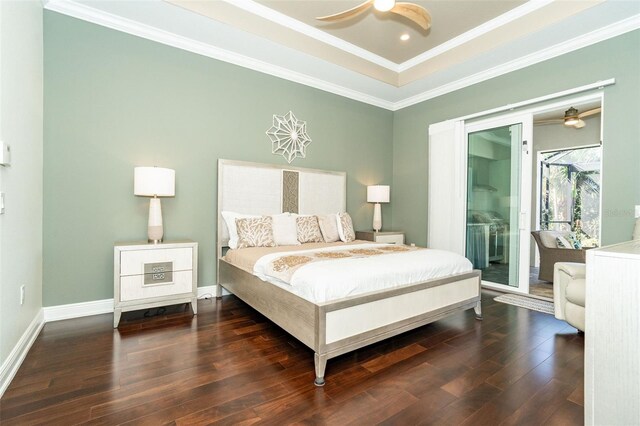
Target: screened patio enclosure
point(570, 192)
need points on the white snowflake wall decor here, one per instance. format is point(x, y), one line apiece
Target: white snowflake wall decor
point(288, 136)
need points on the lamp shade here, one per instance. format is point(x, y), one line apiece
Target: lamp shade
point(154, 181)
point(378, 194)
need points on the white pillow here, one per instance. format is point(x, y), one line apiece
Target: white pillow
point(284, 229)
point(329, 227)
point(345, 228)
point(230, 220)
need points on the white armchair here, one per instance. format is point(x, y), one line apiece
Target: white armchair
point(569, 293)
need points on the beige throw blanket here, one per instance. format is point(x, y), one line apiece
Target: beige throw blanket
point(284, 267)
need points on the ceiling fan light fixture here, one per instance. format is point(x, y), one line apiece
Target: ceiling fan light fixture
point(571, 117)
point(384, 5)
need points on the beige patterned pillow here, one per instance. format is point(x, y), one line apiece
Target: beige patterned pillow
point(345, 228)
point(329, 227)
point(308, 229)
point(255, 232)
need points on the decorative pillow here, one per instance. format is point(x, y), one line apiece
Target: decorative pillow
point(345, 228)
point(230, 220)
point(577, 244)
point(308, 229)
point(569, 241)
point(285, 231)
point(255, 232)
point(548, 238)
point(563, 242)
point(329, 227)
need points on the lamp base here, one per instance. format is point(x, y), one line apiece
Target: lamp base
point(155, 230)
point(377, 217)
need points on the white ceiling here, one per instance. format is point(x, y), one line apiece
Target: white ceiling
point(470, 41)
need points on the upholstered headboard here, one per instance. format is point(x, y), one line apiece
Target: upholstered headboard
point(263, 189)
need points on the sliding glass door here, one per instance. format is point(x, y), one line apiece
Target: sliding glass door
point(497, 197)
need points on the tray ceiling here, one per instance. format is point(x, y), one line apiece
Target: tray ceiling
point(380, 32)
point(364, 58)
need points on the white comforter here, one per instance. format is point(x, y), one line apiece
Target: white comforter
point(338, 278)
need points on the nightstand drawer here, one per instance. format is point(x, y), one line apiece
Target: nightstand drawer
point(133, 262)
point(135, 287)
point(394, 239)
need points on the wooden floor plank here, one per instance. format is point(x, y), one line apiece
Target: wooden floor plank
point(231, 365)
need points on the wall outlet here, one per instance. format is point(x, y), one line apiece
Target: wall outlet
point(21, 295)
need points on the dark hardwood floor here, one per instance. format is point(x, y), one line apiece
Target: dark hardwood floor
point(230, 365)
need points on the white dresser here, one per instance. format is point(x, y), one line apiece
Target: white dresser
point(612, 335)
point(152, 275)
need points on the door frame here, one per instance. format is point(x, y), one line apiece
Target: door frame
point(457, 139)
point(524, 208)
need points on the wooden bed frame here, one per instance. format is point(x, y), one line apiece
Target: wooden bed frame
point(333, 328)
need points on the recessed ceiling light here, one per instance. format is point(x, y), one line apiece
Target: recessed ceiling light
point(405, 37)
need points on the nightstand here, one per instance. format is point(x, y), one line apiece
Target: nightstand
point(394, 237)
point(151, 275)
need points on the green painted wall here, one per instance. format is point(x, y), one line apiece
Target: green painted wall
point(114, 101)
point(618, 58)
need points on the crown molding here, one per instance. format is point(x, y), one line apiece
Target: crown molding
point(89, 14)
point(306, 29)
point(274, 16)
point(616, 29)
point(505, 18)
point(95, 16)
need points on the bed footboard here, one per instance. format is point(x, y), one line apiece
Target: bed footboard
point(356, 322)
point(334, 328)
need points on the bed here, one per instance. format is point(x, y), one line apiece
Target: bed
point(335, 326)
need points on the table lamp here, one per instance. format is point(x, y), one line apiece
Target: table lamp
point(154, 182)
point(377, 194)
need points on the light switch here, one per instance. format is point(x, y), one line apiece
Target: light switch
point(1, 202)
point(637, 212)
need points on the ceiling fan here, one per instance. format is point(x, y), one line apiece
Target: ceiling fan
point(572, 118)
point(412, 11)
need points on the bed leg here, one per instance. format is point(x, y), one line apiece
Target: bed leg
point(218, 291)
point(321, 365)
point(478, 310)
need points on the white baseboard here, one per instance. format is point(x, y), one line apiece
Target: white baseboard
point(105, 306)
point(13, 362)
point(77, 310)
point(210, 290)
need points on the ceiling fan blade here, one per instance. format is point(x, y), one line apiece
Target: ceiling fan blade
point(590, 112)
point(549, 121)
point(417, 14)
point(579, 125)
point(354, 11)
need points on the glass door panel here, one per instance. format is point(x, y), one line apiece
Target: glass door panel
point(493, 228)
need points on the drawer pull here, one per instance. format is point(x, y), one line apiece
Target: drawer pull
point(154, 268)
point(158, 273)
point(159, 278)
